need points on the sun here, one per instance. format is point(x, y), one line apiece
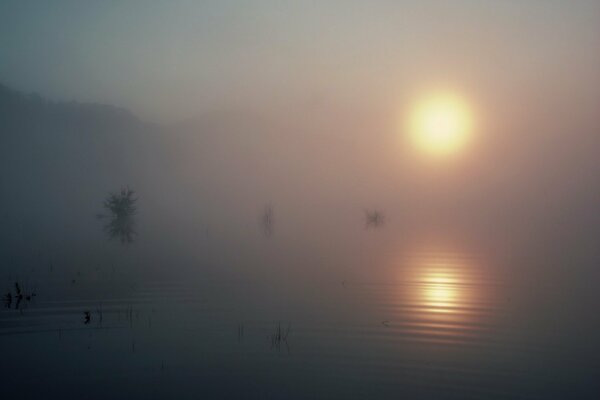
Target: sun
point(441, 124)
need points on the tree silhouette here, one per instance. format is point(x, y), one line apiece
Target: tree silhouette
point(122, 209)
point(266, 221)
point(373, 219)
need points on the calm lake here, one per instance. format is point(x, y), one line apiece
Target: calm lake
point(295, 200)
point(378, 315)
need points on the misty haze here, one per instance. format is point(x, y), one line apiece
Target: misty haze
point(300, 200)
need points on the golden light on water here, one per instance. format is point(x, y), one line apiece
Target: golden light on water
point(439, 290)
point(442, 285)
point(443, 297)
point(441, 124)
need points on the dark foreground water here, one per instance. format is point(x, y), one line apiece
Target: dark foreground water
point(427, 324)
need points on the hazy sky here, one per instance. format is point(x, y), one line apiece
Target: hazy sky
point(174, 59)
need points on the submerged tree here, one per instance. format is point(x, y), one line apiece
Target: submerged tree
point(373, 219)
point(266, 221)
point(121, 205)
point(122, 209)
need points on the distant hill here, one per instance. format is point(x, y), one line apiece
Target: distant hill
point(16, 106)
point(58, 159)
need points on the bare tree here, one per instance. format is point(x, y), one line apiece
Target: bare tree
point(373, 219)
point(266, 221)
point(122, 210)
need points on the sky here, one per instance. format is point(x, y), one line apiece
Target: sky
point(172, 60)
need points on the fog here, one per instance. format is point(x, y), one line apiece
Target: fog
point(276, 185)
point(527, 179)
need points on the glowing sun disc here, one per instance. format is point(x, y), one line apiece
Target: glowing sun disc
point(440, 124)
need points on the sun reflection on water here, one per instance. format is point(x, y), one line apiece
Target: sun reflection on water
point(441, 288)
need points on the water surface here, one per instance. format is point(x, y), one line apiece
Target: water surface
point(418, 322)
